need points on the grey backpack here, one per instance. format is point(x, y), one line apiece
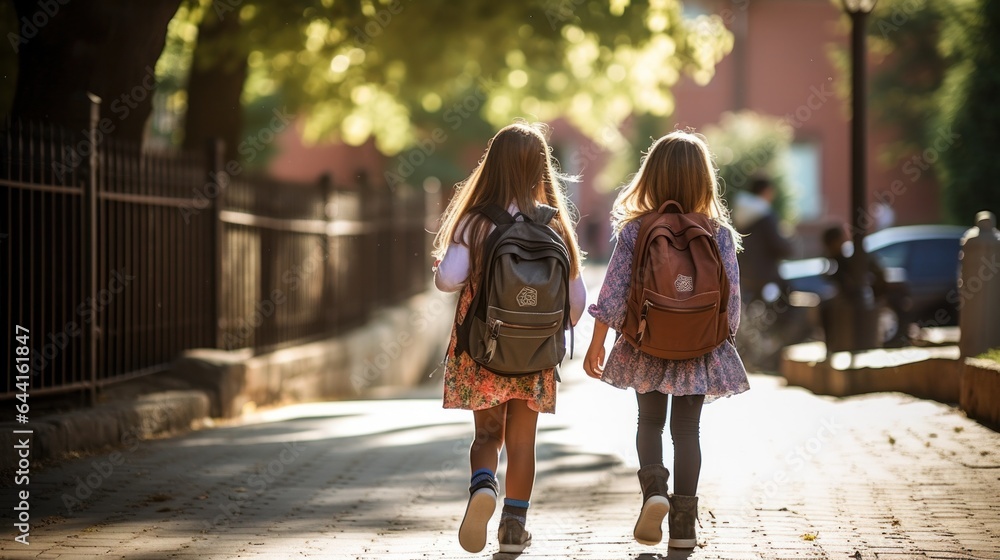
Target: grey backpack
point(517, 320)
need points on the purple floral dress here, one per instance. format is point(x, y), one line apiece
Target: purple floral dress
point(720, 373)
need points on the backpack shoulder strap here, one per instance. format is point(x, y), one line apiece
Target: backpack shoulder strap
point(497, 215)
point(544, 214)
point(646, 224)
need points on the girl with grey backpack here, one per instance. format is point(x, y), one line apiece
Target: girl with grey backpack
point(507, 244)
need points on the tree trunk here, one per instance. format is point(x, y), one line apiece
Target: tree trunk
point(218, 71)
point(105, 47)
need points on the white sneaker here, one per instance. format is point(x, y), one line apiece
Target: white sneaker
point(472, 532)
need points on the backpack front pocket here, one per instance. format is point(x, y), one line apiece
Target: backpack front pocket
point(674, 324)
point(519, 343)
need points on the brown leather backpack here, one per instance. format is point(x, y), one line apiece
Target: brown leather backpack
point(679, 293)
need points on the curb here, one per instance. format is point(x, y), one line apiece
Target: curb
point(924, 372)
point(105, 425)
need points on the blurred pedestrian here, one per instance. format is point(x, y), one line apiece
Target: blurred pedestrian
point(517, 173)
point(849, 290)
point(678, 167)
point(839, 251)
point(764, 246)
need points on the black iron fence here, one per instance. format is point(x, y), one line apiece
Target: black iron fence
point(116, 259)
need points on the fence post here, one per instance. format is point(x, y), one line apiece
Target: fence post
point(327, 297)
point(89, 222)
point(216, 174)
point(368, 274)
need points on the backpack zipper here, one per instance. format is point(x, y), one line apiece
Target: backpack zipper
point(645, 309)
point(494, 326)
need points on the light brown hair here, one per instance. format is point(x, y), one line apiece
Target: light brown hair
point(517, 167)
point(677, 167)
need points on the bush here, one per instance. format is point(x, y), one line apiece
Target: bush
point(969, 112)
point(748, 144)
point(992, 354)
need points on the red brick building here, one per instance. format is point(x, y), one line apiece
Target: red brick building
point(781, 66)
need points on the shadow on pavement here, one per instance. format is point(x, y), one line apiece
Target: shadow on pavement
point(372, 473)
point(672, 554)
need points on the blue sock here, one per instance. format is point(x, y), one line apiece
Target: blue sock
point(518, 509)
point(484, 477)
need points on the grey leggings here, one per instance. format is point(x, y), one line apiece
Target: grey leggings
point(685, 416)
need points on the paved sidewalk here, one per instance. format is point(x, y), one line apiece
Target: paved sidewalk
point(786, 475)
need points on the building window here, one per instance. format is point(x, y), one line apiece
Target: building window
point(803, 175)
point(693, 9)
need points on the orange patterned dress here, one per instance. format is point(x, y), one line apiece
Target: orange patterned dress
point(470, 386)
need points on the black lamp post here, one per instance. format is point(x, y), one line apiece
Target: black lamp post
point(864, 310)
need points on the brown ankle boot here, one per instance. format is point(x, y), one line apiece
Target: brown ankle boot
point(648, 528)
point(682, 519)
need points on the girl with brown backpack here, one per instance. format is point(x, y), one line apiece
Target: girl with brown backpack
point(649, 303)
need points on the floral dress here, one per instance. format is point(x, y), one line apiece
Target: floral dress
point(720, 373)
point(470, 386)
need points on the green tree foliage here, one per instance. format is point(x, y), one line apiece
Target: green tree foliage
point(396, 69)
point(935, 82)
point(969, 168)
point(909, 70)
point(746, 145)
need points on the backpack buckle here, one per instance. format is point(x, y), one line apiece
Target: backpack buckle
point(491, 343)
point(642, 323)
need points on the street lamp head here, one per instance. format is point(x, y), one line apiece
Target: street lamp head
point(859, 6)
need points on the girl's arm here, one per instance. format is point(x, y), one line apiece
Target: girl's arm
point(593, 362)
point(577, 298)
point(452, 272)
point(727, 250)
point(610, 306)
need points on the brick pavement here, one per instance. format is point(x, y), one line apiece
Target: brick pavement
point(884, 476)
point(786, 475)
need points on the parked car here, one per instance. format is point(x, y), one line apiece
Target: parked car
point(921, 268)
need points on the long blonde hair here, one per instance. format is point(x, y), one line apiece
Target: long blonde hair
point(677, 167)
point(517, 167)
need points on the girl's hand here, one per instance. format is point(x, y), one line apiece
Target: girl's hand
point(593, 362)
